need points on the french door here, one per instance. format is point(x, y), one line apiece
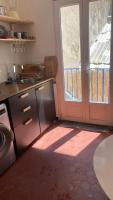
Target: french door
point(85, 75)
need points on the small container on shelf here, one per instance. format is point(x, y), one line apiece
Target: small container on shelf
point(2, 10)
point(24, 35)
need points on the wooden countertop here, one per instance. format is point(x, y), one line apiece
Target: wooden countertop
point(103, 165)
point(9, 90)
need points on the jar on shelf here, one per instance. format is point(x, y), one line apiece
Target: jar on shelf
point(3, 7)
point(13, 9)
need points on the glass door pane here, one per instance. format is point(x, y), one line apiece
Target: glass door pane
point(70, 30)
point(100, 12)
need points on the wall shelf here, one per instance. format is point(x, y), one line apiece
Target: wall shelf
point(12, 20)
point(17, 40)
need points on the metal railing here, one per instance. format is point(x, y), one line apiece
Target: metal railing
point(99, 85)
point(99, 79)
point(73, 84)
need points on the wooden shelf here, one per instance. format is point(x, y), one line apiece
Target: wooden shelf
point(12, 20)
point(17, 40)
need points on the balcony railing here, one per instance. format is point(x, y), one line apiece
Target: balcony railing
point(99, 82)
point(73, 90)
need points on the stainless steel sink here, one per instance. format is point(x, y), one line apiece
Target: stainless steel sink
point(23, 81)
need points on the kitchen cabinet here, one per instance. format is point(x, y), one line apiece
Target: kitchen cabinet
point(46, 104)
point(24, 117)
point(31, 113)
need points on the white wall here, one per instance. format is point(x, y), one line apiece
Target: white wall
point(7, 59)
point(41, 12)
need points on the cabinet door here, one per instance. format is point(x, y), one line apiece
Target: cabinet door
point(46, 105)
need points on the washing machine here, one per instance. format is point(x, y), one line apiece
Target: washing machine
point(7, 151)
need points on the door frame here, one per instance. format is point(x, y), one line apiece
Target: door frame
point(84, 25)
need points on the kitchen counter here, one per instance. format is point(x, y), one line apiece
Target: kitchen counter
point(9, 90)
point(103, 165)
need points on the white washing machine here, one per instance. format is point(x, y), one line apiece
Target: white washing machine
point(7, 152)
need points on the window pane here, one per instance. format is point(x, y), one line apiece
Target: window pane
point(70, 29)
point(100, 43)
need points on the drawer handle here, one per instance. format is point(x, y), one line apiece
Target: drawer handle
point(26, 109)
point(28, 122)
point(41, 88)
point(24, 95)
point(2, 112)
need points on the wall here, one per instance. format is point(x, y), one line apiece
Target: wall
point(41, 12)
point(7, 59)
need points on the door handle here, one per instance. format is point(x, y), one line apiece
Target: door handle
point(28, 122)
point(26, 109)
point(41, 88)
point(24, 95)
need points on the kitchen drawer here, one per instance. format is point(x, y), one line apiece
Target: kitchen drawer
point(26, 133)
point(22, 106)
point(21, 99)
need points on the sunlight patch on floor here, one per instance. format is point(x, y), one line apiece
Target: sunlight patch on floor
point(66, 141)
point(52, 137)
point(77, 144)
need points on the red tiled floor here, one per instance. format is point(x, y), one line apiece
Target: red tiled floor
point(57, 167)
